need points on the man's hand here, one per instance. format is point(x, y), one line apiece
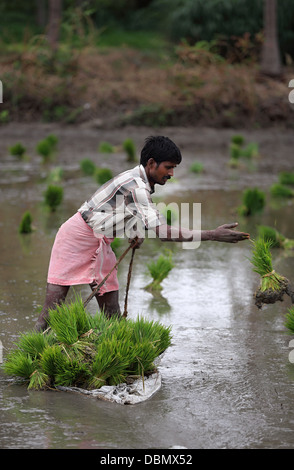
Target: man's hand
point(137, 242)
point(223, 233)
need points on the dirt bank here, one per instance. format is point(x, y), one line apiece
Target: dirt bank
point(123, 86)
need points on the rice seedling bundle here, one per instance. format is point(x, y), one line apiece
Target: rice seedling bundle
point(159, 270)
point(286, 178)
point(282, 191)
point(53, 196)
point(253, 202)
point(103, 175)
point(17, 150)
point(25, 225)
point(130, 149)
point(80, 350)
point(277, 239)
point(272, 285)
point(87, 166)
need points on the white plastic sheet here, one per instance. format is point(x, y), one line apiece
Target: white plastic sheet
point(125, 394)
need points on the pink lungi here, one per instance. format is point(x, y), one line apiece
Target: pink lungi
point(80, 257)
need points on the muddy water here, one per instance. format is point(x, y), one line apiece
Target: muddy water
point(226, 380)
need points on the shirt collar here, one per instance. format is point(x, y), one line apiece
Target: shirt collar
point(144, 178)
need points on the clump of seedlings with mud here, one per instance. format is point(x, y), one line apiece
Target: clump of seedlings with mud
point(80, 350)
point(159, 270)
point(272, 286)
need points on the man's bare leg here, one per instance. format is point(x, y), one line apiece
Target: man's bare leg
point(55, 295)
point(108, 302)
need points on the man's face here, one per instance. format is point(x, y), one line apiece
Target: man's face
point(159, 173)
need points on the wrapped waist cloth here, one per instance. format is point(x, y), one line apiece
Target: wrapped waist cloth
point(79, 256)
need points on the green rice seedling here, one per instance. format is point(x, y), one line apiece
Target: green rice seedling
point(253, 202)
point(272, 235)
point(238, 140)
point(159, 270)
point(286, 178)
point(105, 355)
point(33, 343)
point(196, 167)
point(250, 151)
point(53, 196)
point(52, 361)
point(74, 372)
point(272, 285)
point(26, 223)
point(170, 214)
point(46, 147)
point(105, 147)
point(289, 323)
point(55, 175)
point(280, 190)
point(17, 150)
point(103, 175)
point(130, 149)
point(88, 167)
point(38, 380)
point(19, 364)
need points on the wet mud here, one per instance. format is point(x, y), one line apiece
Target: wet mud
point(227, 381)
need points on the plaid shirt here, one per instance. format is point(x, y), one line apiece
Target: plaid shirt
point(122, 206)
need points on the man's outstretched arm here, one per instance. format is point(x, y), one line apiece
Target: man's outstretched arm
point(223, 233)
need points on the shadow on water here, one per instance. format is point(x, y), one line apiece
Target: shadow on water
point(227, 380)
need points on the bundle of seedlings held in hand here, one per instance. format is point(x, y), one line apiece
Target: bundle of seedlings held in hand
point(80, 350)
point(273, 286)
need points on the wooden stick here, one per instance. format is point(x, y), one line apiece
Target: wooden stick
point(96, 290)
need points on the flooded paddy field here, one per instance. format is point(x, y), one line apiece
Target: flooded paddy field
point(226, 380)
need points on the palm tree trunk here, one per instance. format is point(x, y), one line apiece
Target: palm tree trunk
point(270, 59)
point(55, 10)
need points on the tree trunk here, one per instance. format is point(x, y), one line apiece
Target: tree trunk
point(55, 10)
point(270, 59)
point(41, 13)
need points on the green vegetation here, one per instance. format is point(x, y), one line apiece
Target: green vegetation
point(55, 175)
point(86, 351)
point(286, 178)
point(253, 202)
point(159, 270)
point(196, 167)
point(105, 147)
point(281, 191)
point(289, 323)
point(17, 150)
point(88, 167)
point(53, 196)
point(47, 147)
point(130, 149)
point(262, 262)
point(26, 223)
point(275, 238)
point(238, 150)
point(103, 175)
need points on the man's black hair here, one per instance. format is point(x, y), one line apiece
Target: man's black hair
point(161, 149)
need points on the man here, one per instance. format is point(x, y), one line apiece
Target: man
point(81, 253)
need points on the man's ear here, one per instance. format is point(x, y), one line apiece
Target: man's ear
point(151, 162)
